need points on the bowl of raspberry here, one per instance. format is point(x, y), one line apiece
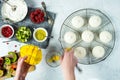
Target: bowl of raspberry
point(6, 31)
point(37, 16)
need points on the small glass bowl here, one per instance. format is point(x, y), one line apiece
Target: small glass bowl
point(53, 58)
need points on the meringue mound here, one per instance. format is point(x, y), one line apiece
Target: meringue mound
point(95, 21)
point(98, 51)
point(80, 52)
point(77, 21)
point(70, 37)
point(105, 36)
point(87, 36)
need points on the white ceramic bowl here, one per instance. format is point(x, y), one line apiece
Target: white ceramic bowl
point(5, 26)
point(15, 16)
point(35, 36)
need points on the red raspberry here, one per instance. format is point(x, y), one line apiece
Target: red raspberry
point(36, 17)
point(33, 20)
point(31, 16)
point(42, 14)
point(36, 13)
point(38, 10)
point(42, 19)
point(39, 17)
point(32, 13)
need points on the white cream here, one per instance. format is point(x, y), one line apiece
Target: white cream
point(77, 21)
point(87, 36)
point(80, 52)
point(70, 37)
point(105, 36)
point(17, 15)
point(95, 21)
point(98, 51)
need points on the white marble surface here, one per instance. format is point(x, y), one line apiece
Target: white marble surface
point(109, 69)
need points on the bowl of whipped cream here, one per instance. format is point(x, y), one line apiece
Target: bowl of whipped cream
point(18, 13)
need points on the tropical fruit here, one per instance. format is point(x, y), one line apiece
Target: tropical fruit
point(33, 53)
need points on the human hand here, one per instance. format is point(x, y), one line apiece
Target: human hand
point(68, 63)
point(22, 69)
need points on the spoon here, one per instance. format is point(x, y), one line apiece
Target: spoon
point(12, 6)
point(8, 20)
point(7, 41)
point(49, 36)
point(50, 20)
point(78, 68)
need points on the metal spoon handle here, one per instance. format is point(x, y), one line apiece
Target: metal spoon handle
point(44, 7)
point(49, 36)
point(12, 6)
point(6, 1)
point(7, 41)
point(78, 68)
point(49, 19)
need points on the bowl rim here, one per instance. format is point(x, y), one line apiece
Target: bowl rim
point(36, 31)
point(5, 26)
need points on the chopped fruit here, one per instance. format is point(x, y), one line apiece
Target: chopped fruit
point(14, 66)
point(23, 34)
point(1, 61)
point(68, 49)
point(38, 10)
point(37, 16)
point(1, 73)
point(54, 58)
point(32, 14)
point(9, 73)
point(42, 14)
point(13, 73)
point(7, 61)
point(8, 64)
point(33, 53)
point(14, 56)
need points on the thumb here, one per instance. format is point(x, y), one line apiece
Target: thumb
point(22, 59)
point(61, 58)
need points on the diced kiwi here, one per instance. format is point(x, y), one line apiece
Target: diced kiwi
point(7, 61)
point(14, 56)
point(23, 34)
